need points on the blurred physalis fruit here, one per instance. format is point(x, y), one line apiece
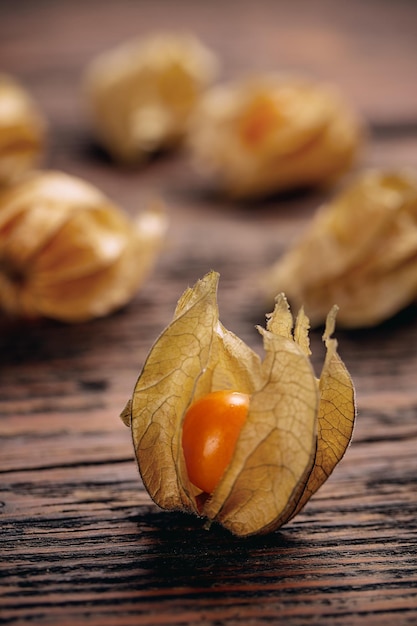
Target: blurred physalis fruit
point(229, 437)
point(67, 252)
point(141, 93)
point(359, 251)
point(22, 131)
point(273, 133)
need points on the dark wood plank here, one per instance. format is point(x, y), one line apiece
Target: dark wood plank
point(80, 540)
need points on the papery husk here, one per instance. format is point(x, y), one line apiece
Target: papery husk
point(141, 93)
point(67, 252)
point(273, 133)
point(22, 131)
point(360, 251)
point(290, 424)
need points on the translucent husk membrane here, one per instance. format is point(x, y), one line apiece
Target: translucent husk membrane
point(360, 251)
point(273, 133)
point(141, 93)
point(67, 252)
point(298, 427)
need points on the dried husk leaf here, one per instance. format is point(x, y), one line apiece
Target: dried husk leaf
point(67, 252)
point(142, 92)
point(22, 131)
point(193, 356)
point(276, 446)
point(336, 415)
point(288, 429)
point(165, 389)
point(360, 251)
point(273, 133)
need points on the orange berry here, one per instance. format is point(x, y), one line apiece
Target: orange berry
point(210, 431)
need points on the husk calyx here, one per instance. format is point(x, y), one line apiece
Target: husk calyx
point(297, 429)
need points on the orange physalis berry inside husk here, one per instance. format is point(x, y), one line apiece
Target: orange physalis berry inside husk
point(209, 434)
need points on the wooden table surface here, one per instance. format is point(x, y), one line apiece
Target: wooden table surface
point(81, 542)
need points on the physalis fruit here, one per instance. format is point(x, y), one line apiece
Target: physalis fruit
point(359, 251)
point(67, 252)
point(227, 436)
point(273, 133)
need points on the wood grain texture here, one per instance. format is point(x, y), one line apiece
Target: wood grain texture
point(81, 542)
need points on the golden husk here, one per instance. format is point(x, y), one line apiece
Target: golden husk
point(273, 133)
point(141, 93)
point(67, 252)
point(359, 251)
point(297, 428)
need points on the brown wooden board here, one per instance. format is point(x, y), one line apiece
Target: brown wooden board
point(81, 542)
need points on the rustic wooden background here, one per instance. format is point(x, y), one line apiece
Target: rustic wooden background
point(81, 542)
